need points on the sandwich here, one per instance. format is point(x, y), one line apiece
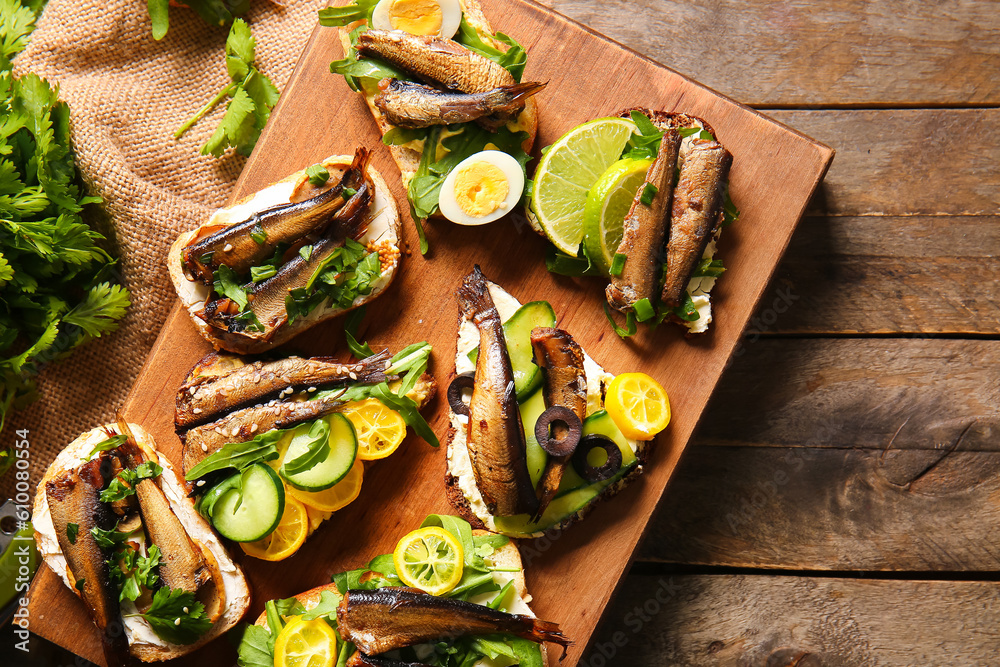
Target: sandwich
point(468, 606)
point(539, 431)
point(272, 447)
point(312, 246)
point(113, 521)
point(658, 250)
point(447, 95)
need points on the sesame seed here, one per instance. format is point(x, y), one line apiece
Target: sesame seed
point(197, 411)
point(204, 447)
point(218, 429)
point(253, 428)
point(228, 248)
point(186, 610)
point(200, 482)
point(236, 431)
point(311, 389)
point(256, 378)
point(353, 375)
point(178, 621)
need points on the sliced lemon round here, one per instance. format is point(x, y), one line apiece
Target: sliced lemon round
point(430, 559)
point(380, 429)
point(304, 643)
point(638, 405)
point(316, 517)
point(285, 540)
point(567, 171)
point(338, 496)
point(607, 205)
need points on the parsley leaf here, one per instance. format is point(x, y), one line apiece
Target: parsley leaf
point(253, 96)
point(107, 539)
point(170, 621)
point(123, 485)
point(72, 530)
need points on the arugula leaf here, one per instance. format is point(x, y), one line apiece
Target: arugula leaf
point(123, 485)
point(259, 273)
point(316, 441)
point(255, 649)
point(113, 442)
point(687, 310)
point(359, 10)
point(513, 59)
point(176, 616)
point(646, 143)
point(325, 608)
point(253, 96)
point(239, 455)
point(702, 133)
point(562, 264)
point(630, 324)
point(351, 324)
point(72, 530)
point(709, 268)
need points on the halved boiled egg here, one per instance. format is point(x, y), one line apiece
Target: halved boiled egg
point(419, 17)
point(482, 188)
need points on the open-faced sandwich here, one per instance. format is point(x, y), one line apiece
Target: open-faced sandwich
point(447, 95)
point(645, 211)
point(546, 432)
point(273, 447)
point(314, 245)
point(448, 595)
point(113, 521)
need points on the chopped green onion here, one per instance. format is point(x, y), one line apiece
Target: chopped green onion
point(618, 263)
point(644, 310)
point(258, 234)
point(630, 325)
point(648, 192)
point(318, 174)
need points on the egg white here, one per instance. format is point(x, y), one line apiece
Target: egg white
point(511, 170)
point(451, 17)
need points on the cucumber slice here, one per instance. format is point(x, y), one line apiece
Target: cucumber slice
point(343, 443)
point(574, 492)
point(251, 509)
point(517, 331)
point(531, 409)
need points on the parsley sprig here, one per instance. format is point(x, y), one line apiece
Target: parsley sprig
point(253, 96)
point(56, 279)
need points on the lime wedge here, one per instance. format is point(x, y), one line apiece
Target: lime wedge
point(607, 205)
point(568, 170)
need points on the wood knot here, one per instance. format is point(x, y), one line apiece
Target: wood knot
point(792, 657)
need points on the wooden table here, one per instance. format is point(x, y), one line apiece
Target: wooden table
point(839, 503)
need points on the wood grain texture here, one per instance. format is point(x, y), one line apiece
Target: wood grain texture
point(775, 172)
point(798, 53)
point(886, 274)
point(766, 621)
point(906, 161)
point(862, 455)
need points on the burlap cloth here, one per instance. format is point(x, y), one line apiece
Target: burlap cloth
point(128, 94)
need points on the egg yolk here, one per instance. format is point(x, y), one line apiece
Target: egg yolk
point(417, 17)
point(480, 189)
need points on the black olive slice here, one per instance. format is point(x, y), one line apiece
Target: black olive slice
point(564, 446)
point(597, 474)
point(463, 381)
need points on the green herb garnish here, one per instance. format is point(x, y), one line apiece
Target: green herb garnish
point(176, 616)
point(648, 192)
point(72, 530)
point(123, 485)
point(618, 264)
point(318, 174)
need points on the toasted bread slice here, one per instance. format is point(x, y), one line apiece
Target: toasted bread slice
point(507, 558)
point(383, 234)
point(143, 642)
point(407, 157)
point(460, 481)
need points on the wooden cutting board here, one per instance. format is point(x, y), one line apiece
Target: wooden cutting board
point(775, 171)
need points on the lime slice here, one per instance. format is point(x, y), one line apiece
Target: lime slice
point(568, 170)
point(607, 205)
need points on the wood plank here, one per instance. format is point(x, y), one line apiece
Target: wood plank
point(831, 509)
point(843, 454)
point(798, 53)
point(775, 171)
point(899, 161)
point(762, 621)
point(917, 274)
point(849, 393)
